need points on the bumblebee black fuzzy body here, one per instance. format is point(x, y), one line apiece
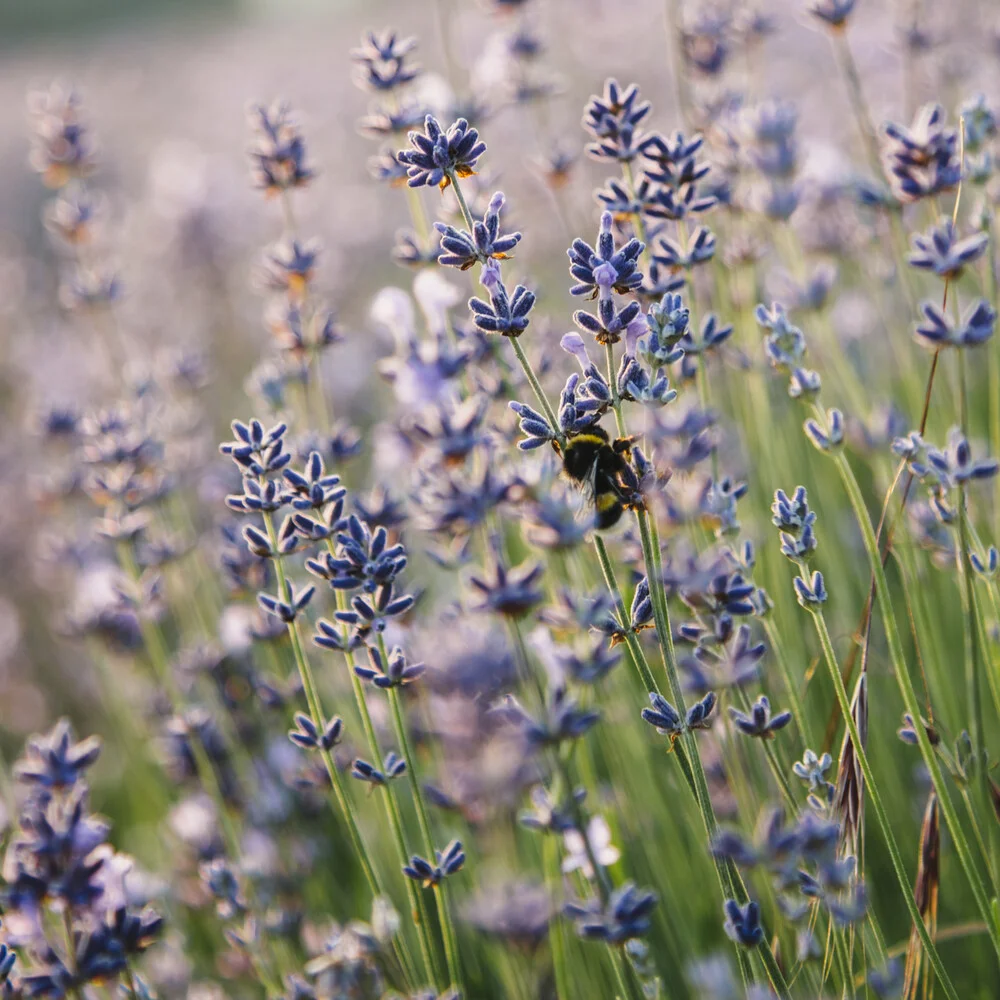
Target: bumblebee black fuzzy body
point(599, 466)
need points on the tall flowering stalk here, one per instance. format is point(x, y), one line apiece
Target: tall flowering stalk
point(302, 325)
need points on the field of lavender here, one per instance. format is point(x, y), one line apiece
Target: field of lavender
point(409, 617)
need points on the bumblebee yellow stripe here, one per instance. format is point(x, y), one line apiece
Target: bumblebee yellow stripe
point(605, 501)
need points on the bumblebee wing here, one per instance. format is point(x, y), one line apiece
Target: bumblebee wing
point(587, 488)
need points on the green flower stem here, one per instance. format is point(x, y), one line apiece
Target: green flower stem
point(729, 877)
point(561, 767)
point(993, 284)
point(973, 673)
point(705, 398)
point(876, 799)
point(791, 688)
point(910, 701)
point(830, 658)
point(312, 398)
point(680, 750)
point(993, 671)
point(601, 877)
point(843, 954)
point(616, 399)
point(156, 651)
point(557, 939)
point(441, 898)
point(701, 375)
point(672, 14)
point(526, 674)
point(834, 358)
point(418, 907)
point(522, 358)
point(638, 220)
point(772, 760)
point(418, 215)
point(973, 628)
point(629, 987)
point(152, 797)
point(865, 620)
point(638, 656)
point(159, 659)
point(319, 720)
point(536, 386)
point(859, 104)
point(866, 126)
point(462, 203)
point(984, 854)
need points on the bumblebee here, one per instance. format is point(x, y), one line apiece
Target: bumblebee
point(601, 468)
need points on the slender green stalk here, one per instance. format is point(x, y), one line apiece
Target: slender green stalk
point(313, 398)
point(557, 940)
point(626, 983)
point(993, 284)
point(638, 656)
point(791, 688)
point(159, 659)
point(705, 398)
point(522, 358)
point(844, 956)
point(616, 400)
point(156, 651)
point(442, 17)
point(729, 877)
point(536, 386)
point(562, 770)
point(869, 138)
point(984, 853)
point(973, 678)
point(878, 807)
point(993, 666)
point(441, 898)
point(672, 26)
point(859, 104)
point(773, 763)
point(418, 215)
point(462, 203)
point(418, 907)
point(681, 751)
point(640, 222)
point(319, 720)
point(910, 700)
point(601, 877)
